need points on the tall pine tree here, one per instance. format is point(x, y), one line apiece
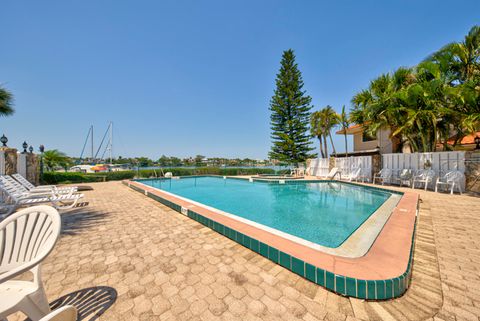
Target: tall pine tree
point(290, 114)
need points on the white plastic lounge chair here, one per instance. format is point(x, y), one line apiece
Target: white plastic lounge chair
point(333, 172)
point(43, 188)
point(17, 187)
point(424, 176)
point(354, 174)
point(66, 313)
point(168, 175)
point(451, 179)
point(308, 171)
point(26, 238)
point(385, 175)
point(405, 177)
point(15, 197)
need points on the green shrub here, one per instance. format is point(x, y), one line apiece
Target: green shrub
point(62, 177)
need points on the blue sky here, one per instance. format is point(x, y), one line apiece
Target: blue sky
point(195, 77)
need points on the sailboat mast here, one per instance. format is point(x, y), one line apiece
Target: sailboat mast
point(111, 142)
point(92, 142)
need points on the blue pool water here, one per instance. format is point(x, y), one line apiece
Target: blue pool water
point(325, 213)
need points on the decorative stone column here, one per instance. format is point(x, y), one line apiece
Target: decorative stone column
point(308, 162)
point(472, 171)
point(331, 163)
point(33, 169)
point(376, 163)
point(9, 160)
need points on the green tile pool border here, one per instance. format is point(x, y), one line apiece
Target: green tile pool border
point(340, 284)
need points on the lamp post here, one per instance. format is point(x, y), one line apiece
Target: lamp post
point(30, 149)
point(477, 142)
point(24, 145)
point(41, 149)
point(4, 140)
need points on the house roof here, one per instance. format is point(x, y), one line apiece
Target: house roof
point(352, 129)
point(467, 140)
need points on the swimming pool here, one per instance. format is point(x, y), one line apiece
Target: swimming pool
point(325, 213)
point(284, 221)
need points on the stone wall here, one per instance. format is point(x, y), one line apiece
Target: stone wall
point(331, 163)
point(33, 169)
point(472, 171)
point(10, 160)
point(10, 155)
point(376, 163)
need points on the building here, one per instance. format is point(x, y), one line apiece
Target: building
point(466, 143)
point(364, 144)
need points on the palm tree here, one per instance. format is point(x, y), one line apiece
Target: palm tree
point(331, 120)
point(316, 128)
point(6, 102)
point(321, 124)
point(425, 104)
point(344, 121)
point(54, 158)
point(461, 60)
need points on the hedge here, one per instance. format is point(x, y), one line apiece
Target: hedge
point(74, 177)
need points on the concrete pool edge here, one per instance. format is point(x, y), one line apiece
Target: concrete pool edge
point(383, 273)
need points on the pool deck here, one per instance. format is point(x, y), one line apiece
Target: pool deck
point(166, 266)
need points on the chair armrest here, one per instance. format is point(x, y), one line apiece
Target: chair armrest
point(65, 313)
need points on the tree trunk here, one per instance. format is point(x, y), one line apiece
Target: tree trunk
point(346, 145)
point(325, 145)
point(321, 147)
point(331, 142)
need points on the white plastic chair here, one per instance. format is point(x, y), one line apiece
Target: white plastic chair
point(424, 176)
point(43, 188)
point(168, 175)
point(66, 313)
point(452, 179)
point(385, 175)
point(26, 238)
point(354, 174)
point(405, 176)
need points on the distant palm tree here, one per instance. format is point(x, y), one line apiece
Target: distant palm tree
point(331, 120)
point(344, 121)
point(321, 124)
point(316, 128)
point(54, 158)
point(6, 102)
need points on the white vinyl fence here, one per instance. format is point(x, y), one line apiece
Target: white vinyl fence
point(349, 164)
point(440, 162)
point(319, 167)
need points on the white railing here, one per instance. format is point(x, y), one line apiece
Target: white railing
point(347, 165)
point(319, 167)
point(440, 162)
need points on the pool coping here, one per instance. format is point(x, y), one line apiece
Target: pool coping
point(382, 273)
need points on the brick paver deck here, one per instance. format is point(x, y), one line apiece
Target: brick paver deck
point(164, 266)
